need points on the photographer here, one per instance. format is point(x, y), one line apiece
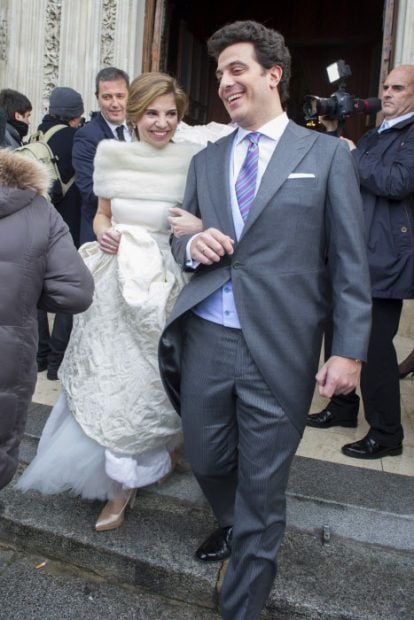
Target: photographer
point(385, 162)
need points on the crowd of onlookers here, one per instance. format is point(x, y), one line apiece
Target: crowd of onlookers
point(74, 200)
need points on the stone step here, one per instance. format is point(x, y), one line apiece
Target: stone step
point(35, 587)
point(323, 498)
point(153, 552)
point(347, 554)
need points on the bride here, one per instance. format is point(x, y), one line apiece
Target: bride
point(113, 429)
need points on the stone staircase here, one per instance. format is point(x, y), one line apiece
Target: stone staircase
point(348, 553)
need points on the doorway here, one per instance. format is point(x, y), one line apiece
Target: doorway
point(317, 32)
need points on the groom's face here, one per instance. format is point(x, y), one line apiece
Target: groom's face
point(248, 91)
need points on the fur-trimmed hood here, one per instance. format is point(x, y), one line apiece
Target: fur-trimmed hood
point(20, 180)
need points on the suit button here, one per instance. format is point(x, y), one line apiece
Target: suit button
point(236, 265)
point(404, 229)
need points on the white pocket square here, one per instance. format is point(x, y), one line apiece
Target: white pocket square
point(301, 175)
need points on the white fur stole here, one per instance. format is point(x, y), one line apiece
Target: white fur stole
point(140, 171)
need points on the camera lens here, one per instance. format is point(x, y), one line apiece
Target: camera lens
point(319, 106)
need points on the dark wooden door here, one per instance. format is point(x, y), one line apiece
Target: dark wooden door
point(317, 32)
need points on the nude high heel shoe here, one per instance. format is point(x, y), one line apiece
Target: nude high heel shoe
point(113, 513)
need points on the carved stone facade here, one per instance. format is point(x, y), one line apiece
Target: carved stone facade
point(404, 40)
point(48, 43)
point(51, 55)
point(3, 38)
point(108, 32)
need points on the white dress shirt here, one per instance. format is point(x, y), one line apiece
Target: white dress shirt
point(219, 307)
point(127, 133)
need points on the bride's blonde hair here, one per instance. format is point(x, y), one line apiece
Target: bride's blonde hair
point(147, 87)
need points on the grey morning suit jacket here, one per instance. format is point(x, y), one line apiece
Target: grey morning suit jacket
point(301, 253)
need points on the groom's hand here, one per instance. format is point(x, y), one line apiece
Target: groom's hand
point(209, 246)
point(339, 375)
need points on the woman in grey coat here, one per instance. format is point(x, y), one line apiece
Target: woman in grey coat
point(39, 268)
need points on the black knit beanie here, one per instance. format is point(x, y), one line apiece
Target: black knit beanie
point(65, 103)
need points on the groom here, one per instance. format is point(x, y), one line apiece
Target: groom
point(282, 245)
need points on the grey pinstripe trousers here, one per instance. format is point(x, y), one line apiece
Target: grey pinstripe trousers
point(240, 444)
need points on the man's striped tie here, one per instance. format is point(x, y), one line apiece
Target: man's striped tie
point(246, 181)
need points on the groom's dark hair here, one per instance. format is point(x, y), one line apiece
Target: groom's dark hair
point(269, 47)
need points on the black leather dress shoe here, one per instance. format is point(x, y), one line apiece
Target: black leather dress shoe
point(326, 419)
point(217, 546)
point(407, 366)
point(41, 365)
point(368, 448)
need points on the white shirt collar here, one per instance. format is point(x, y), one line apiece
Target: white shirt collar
point(393, 121)
point(113, 127)
point(272, 129)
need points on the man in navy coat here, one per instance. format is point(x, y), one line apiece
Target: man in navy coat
point(385, 162)
point(111, 94)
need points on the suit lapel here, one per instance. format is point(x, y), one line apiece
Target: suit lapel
point(290, 150)
point(218, 183)
point(105, 127)
point(292, 147)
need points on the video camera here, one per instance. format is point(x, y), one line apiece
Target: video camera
point(340, 105)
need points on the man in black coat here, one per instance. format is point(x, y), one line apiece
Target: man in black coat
point(65, 111)
point(18, 110)
point(385, 161)
point(111, 94)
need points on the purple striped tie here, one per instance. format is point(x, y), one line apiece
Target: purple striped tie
point(246, 181)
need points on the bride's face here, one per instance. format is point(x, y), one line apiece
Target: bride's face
point(158, 123)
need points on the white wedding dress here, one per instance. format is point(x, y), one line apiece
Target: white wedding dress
point(113, 423)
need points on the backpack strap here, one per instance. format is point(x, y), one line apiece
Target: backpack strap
point(45, 137)
point(51, 132)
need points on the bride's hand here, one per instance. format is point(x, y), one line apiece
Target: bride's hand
point(109, 241)
point(184, 223)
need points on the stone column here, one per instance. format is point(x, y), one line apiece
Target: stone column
point(26, 59)
point(404, 38)
point(48, 43)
